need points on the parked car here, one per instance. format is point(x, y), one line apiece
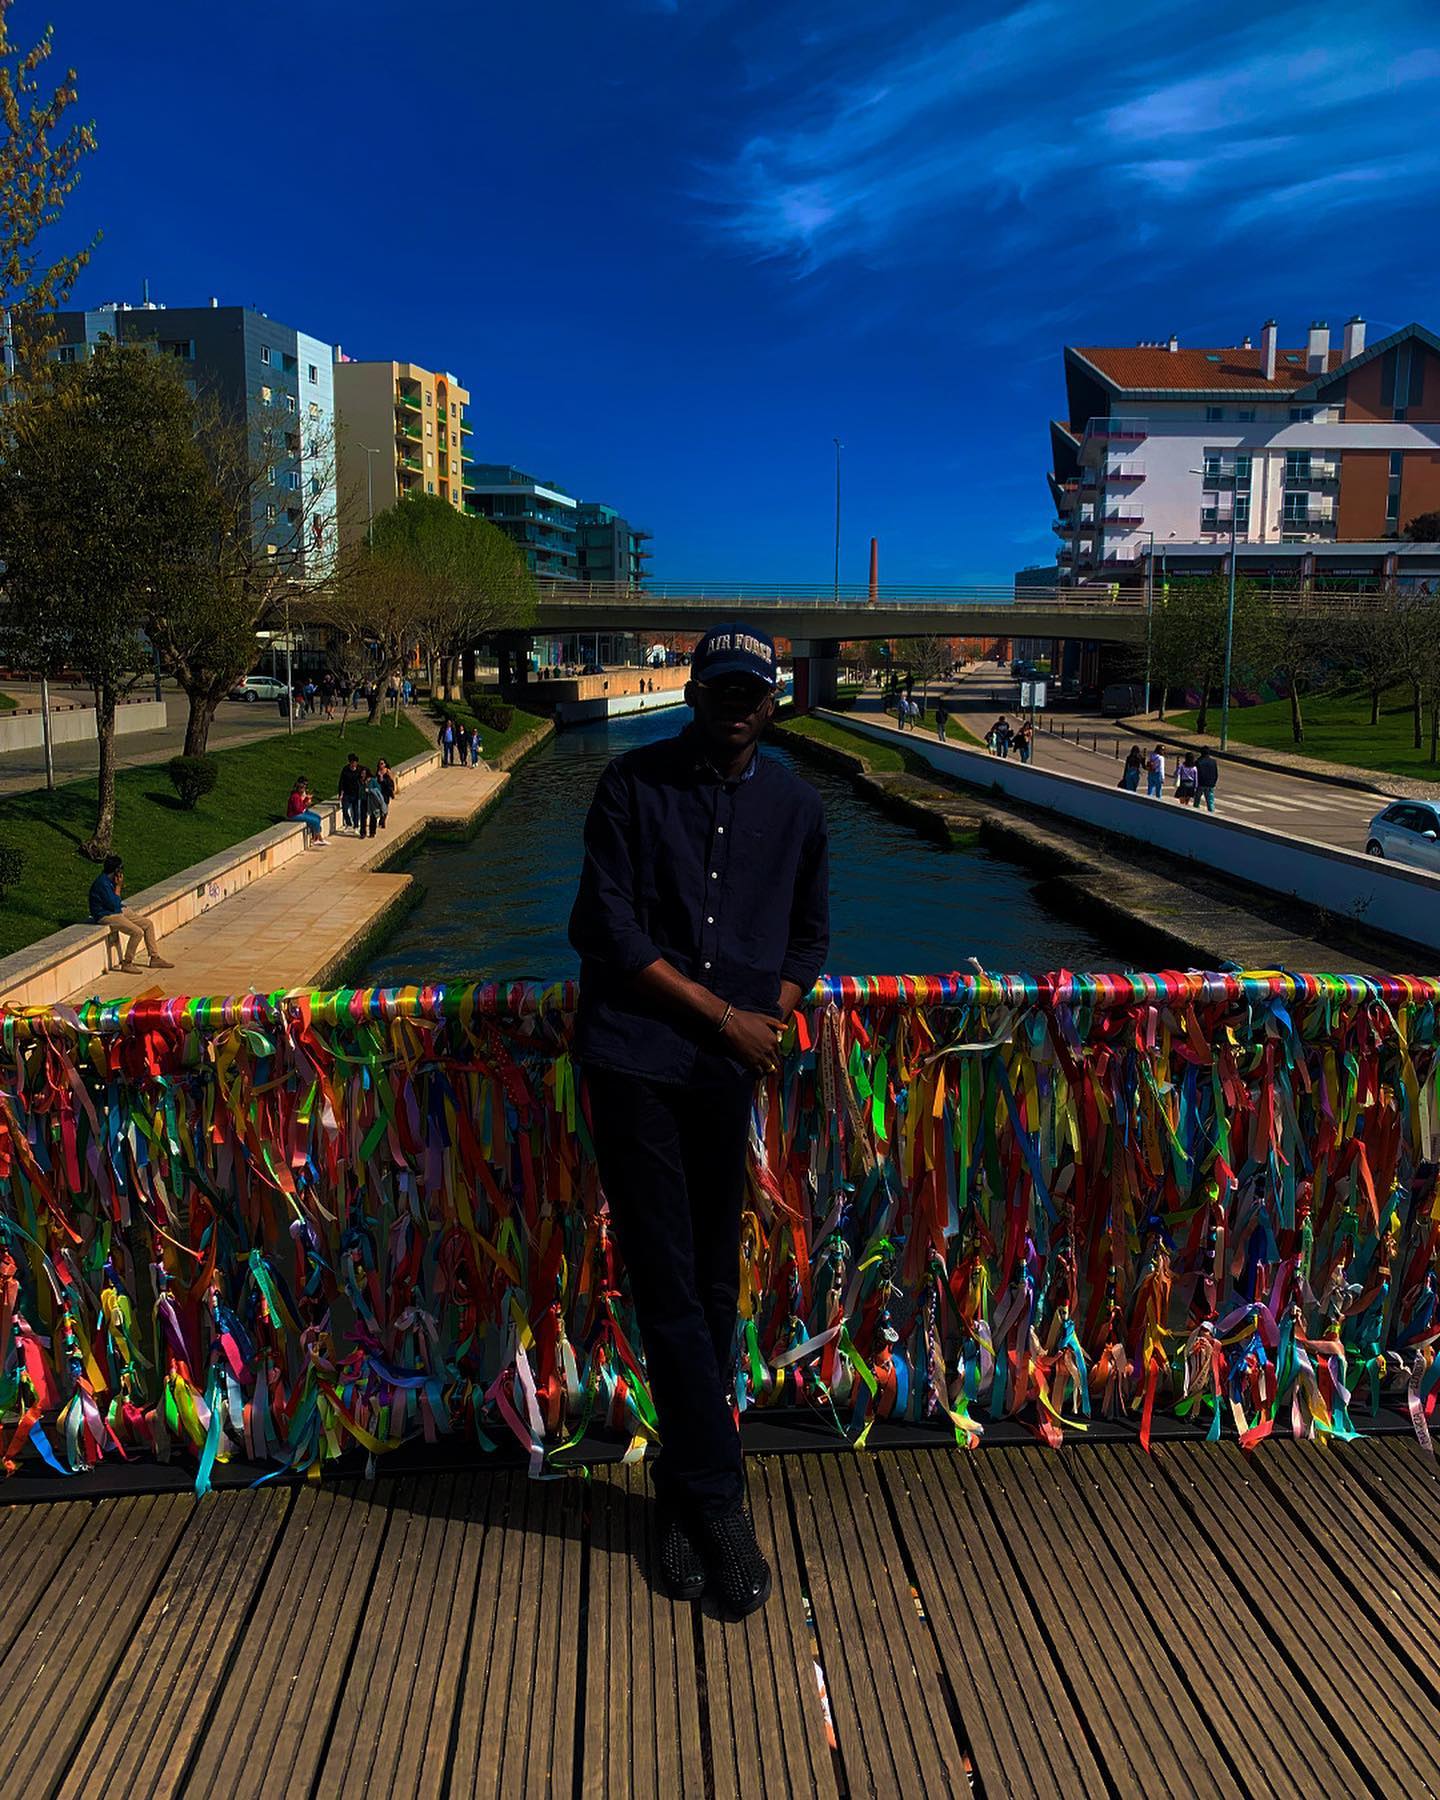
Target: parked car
point(258, 687)
point(1023, 669)
point(1407, 831)
point(1119, 698)
point(592, 668)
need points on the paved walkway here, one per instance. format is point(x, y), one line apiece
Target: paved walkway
point(1090, 1621)
point(284, 929)
point(1290, 802)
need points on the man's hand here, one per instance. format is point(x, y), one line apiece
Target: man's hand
point(754, 1039)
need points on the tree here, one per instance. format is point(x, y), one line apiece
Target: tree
point(40, 162)
point(1303, 646)
point(1413, 624)
point(1189, 633)
point(105, 520)
point(435, 579)
point(268, 542)
point(1368, 639)
point(1424, 528)
point(929, 658)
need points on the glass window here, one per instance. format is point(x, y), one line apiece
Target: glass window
point(1246, 414)
point(1297, 465)
point(290, 403)
point(1242, 468)
point(1212, 413)
point(1397, 464)
point(266, 396)
point(269, 474)
point(1392, 509)
point(431, 486)
point(270, 513)
point(1214, 465)
point(290, 363)
point(429, 397)
point(265, 355)
point(314, 410)
point(314, 372)
point(1209, 518)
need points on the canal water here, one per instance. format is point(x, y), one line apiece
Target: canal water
point(497, 907)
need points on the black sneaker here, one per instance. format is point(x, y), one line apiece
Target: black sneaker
point(680, 1566)
point(737, 1575)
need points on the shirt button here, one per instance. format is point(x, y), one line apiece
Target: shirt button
point(707, 965)
point(714, 874)
point(709, 918)
point(721, 830)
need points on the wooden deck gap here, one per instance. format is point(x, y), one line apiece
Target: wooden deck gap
point(582, 1643)
point(702, 1702)
point(926, 1611)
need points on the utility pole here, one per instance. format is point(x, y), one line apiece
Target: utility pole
point(369, 494)
point(1149, 615)
point(1229, 618)
point(838, 448)
point(289, 668)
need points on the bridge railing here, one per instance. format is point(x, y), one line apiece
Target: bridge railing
point(282, 1226)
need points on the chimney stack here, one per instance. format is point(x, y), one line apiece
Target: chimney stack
point(1317, 347)
point(1174, 343)
point(1269, 336)
point(1354, 336)
point(1247, 345)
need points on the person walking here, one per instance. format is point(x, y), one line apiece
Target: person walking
point(108, 908)
point(1207, 778)
point(301, 808)
point(1133, 770)
point(1003, 736)
point(373, 804)
point(475, 746)
point(701, 921)
point(386, 777)
point(1185, 781)
point(942, 719)
point(1024, 740)
point(1155, 773)
point(447, 743)
point(350, 785)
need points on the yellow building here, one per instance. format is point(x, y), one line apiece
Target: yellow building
point(400, 429)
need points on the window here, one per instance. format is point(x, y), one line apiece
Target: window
point(1213, 414)
point(314, 373)
point(183, 348)
point(1209, 518)
point(429, 459)
point(314, 487)
point(1392, 509)
point(292, 480)
point(314, 410)
point(265, 355)
point(290, 403)
point(1214, 465)
point(291, 363)
point(1246, 415)
point(270, 513)
point(66, 353)
point(270, 550)
point(1397, 464)
point(1241, 468)
point(1301, 415)
point(269, 474)
point(429, 397)
point(1297, 509)
point(429, 429)
point(266, 396)
point(430, 486)
point(1297, 465)
point(454, 409)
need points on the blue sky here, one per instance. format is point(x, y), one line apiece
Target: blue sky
point(675, 247)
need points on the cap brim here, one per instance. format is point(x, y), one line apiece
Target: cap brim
point(735, 666)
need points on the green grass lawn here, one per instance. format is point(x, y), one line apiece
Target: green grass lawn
point(879, 756)
point(154, 834)
point(8, 703)
point(1337, 729)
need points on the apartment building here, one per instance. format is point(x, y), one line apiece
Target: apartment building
point(1316, 457)
point(254, 368)
point(607, 547)
point(401, 429)
point(537, 516)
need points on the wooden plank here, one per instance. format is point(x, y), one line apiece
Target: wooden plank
point(153, 1712)
point(1313, 1627)
point(1025, 1737)
point(58, 1668)
point(392, 1727)
point(271, 1722)
point(1211, 1612)
point(887, 1693)
point(767, 1729)
point(1401, 1476)
point(37, 1538)
point(517, 1723)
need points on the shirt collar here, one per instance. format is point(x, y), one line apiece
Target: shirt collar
point(702, 765)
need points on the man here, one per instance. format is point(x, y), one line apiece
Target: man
point(350, 786)
point(1155, 773)
point(107, 907)
point(1207, 772)
point(702, 920)
point(942, 719)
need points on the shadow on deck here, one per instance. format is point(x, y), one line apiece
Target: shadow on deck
point(1093, 1621)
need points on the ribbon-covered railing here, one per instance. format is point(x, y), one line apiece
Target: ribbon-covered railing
point(273, 1228)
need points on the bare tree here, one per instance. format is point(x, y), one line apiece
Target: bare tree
point(929, 658)
point(1368, 641)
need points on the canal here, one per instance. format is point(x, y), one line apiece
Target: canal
point(900, 903)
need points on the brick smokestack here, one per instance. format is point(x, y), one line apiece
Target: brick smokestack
point(874, 570)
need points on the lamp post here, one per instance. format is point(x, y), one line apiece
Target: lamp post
point(838, 448)
point(289, 668)
point(369, 494)
point(1229, 609)
point(1149, 615)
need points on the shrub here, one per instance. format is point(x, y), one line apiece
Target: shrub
point(191, 777)
point(494, 713)
point(12, 867)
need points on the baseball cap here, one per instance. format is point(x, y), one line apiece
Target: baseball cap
point(734, 649)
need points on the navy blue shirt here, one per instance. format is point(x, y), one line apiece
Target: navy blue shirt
point(103, 899)
point(728, 881)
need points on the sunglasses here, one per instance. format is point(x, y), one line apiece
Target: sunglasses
point(737, 691)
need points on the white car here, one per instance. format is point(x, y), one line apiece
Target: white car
point(1408, 831)
point(258, 687)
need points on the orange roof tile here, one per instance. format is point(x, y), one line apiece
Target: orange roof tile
point(1153, 367)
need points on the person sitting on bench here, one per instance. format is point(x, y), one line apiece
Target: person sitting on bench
point(107, 908)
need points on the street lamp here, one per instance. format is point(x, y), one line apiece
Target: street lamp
point(1229, 610)
point(1149, 614)
point(838, 448)
point(369, 495)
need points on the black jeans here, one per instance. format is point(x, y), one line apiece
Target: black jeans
point(672, 1162)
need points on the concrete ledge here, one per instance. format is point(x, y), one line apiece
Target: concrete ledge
point(68, 961)
point(1355, 888)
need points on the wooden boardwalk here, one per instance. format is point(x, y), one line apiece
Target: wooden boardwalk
point(1093, 1621)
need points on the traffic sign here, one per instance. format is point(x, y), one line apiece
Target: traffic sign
point(1032, 696)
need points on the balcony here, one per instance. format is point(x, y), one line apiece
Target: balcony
point(464, 428)
point(412, 462)
point(1125, 472)
point(466, 457)
point(1125, 519)
point(1063, 526)
point(410, 402)
point(1100, 433)
point(410, 431)
point(1319, 468)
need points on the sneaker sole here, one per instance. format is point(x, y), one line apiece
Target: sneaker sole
point(734, 1614)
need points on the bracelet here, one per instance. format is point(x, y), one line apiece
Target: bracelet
point(725, 1019)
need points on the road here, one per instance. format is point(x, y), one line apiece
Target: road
point(236, 722)
point(1295, 805)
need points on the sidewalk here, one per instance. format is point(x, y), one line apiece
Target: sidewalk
point(289, 928)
